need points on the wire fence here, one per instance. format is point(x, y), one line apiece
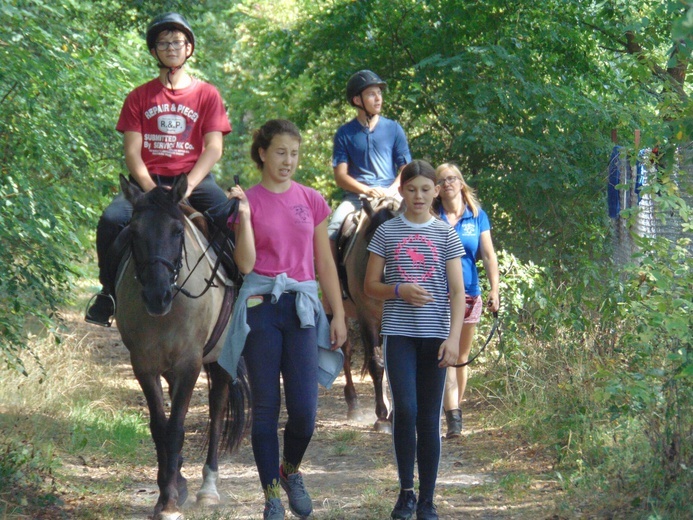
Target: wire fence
point(654, 218)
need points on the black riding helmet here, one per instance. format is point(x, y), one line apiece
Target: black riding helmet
point(360, 82)
point(169, 22)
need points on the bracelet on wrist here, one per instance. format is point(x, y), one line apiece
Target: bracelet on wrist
point(397, 289)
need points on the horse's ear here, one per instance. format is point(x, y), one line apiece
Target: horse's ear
point(131, 191)
point(179, 187)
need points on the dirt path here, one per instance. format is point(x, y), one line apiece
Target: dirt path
point(349, 469)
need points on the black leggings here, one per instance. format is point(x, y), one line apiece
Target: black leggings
point(277, 346)
point(417, 386)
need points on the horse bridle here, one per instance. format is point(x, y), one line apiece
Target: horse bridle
point(174, 269)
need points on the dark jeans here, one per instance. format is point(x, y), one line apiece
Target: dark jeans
point(417, 386)
point(278, 345)
point(207, 196)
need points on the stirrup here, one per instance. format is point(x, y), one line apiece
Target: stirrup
point(93, 301)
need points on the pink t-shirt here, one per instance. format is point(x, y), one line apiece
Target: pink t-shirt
point(173, 123)
point(284, 226)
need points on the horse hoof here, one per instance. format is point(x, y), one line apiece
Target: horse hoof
point(354, 415)
point(383, 426)
point(169, 516)
point(208, 499)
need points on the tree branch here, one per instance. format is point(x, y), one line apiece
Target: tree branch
point(9, 92)
point(675, 82)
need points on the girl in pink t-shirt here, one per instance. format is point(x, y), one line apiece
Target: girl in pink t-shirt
point(289, 222)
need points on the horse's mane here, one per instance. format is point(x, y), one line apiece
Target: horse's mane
point(161, 198)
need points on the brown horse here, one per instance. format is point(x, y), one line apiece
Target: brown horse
point(169, 333)
point(365, 310)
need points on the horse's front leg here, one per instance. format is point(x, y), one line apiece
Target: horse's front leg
point(168, 435)
point(376, 369)
point(153, 393)
point(175, 490)
point(218, 402)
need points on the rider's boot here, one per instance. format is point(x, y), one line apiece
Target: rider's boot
point(101, 309)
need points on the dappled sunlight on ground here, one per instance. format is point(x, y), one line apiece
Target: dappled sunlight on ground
point(349, 468)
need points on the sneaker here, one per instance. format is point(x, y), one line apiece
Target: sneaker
point(274, 510)
point(426, 510)
point(300, 502)
point(101, 310)
point(404, 508)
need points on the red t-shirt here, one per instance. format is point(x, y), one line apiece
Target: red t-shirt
point(173, 123)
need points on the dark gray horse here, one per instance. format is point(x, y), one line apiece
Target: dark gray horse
point(168, 335)
point(365, 310)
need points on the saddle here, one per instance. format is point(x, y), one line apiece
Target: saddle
point(344, 243)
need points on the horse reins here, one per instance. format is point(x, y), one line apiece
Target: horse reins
point(494, 328)
point(210, 282)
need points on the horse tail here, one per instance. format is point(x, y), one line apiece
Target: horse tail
point(367, 356)
point(238, 419)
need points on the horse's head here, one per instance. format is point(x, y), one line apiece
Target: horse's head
point(379, 210)
point(157, 231)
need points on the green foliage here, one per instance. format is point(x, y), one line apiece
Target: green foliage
point(58, 95)
point(25, 470)
point(598, 365)
point(67, 67)
point(523, 97)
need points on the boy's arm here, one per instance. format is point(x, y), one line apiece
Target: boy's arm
point(348, 183)
point(213, 147)
point(132, 146)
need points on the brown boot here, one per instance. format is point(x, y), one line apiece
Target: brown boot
point(454, 420)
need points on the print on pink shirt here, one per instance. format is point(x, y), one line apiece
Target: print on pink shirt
point(301, 214)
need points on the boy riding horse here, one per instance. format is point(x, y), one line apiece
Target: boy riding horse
point(173, 125)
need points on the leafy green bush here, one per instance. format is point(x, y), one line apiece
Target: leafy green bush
point(26, 474)
point(598, 365)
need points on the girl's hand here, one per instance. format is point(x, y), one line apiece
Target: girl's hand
point(414, 294)
point(493, 302)
point(448, 352)
point(243, 207)
point(338, 333)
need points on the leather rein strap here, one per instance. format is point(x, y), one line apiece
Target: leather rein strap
point(494, 329)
